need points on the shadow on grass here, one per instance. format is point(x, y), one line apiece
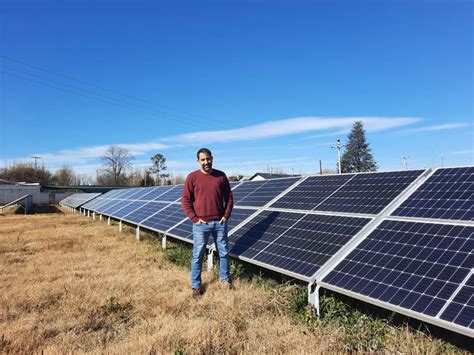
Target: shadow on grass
point(44, 209)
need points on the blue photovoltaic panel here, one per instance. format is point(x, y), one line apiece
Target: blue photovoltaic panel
point(79, 199)
point(144, 212)
point(245, 189)
point(127, 209)
point(128, 193)
point(266, 192)
point(311, 192)
point(185, 229)
point(172, 194)
point(103, 204)
point(109, 210)
point(139, 192)
point(99, 199)
point(413, 265)
point(297, 243)
point(461, 309)
point(369, 193)
point(447, 194)
point(154, 193)
point(165, 219)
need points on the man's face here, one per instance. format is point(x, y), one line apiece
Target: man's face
point(205, 162)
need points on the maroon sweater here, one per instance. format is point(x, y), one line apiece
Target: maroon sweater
point(207, 196)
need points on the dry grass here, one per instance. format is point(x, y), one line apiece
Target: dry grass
point(70, 284)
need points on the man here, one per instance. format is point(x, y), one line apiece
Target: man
point(207, 201)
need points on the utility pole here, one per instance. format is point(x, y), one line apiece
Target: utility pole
point(338, 146)
point(442, 160)
point(405, 161)
point(36, 160)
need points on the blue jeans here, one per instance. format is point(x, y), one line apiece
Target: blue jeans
point(201, 233)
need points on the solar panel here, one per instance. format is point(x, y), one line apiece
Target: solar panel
point(245, 189)
point(461, 309)
point(144, 212)
point(447, 194)
point(139, 192)
point(369, 193)
point(78, 199)
point(112, 207)
point(264, 193)
point(165, 219)
point(172, 194)
point(185, 229)
point(311, 192)
point(102, 204)
point(412, 265)
point(154, 193)
point(293, 242)
point(127, 209)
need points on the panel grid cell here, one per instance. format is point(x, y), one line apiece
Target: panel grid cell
point(311, 192)
point(166, 218)
point(265, 192)
point(294, 242)
point(172, 195)
point(447, 194)
point(144, 212)
point(413, 265)
point(461, 309)
point(369, 193)
point(127, 209)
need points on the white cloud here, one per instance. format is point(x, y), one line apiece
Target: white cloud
point(290, 126)
point(86, 159)
point(442, 127)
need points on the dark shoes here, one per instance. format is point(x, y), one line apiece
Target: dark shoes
point(197, 293)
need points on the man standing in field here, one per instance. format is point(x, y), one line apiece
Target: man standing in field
point(207, 201)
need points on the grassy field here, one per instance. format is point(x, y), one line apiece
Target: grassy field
point(68, 283)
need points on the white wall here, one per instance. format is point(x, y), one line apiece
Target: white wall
point(9, 193)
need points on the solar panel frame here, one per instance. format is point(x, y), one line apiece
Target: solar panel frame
point(140, 214)
point(165, 219)
point(429, 294)
point(280, 228)
point(369, 193)
point(265, 192)
point(447, 194)
point(310, 191)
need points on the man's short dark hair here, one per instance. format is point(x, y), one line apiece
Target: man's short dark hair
point(205, 151)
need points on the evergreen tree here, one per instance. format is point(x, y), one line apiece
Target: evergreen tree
point(357, 156)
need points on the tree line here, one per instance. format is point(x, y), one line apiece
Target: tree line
point(116, 170)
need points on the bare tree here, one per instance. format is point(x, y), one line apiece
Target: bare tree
point(64, 176)
point(115, 161)
point(275, 170)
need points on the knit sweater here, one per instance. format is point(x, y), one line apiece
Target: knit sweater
point(207, 196)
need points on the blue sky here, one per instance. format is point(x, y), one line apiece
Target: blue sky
point(261, 83)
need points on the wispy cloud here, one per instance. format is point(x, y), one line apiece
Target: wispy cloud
point(291, 126)
point(441, 127)
point(84, 158)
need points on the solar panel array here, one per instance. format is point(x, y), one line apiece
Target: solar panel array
point(414, 263)
point(78, 199)
point(337, 230)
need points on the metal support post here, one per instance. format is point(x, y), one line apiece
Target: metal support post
point(93, 216)
point(88, 213)
point(163, 242)
point(137, 233)
point(313, 296)
point(120, 226)
point(108, 221)
point(100, 217)
point(210, 260)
